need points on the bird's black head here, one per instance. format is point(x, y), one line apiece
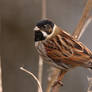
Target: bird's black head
point(43, 29)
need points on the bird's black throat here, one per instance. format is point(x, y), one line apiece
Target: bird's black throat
point(39, 36)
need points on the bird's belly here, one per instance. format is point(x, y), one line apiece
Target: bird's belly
point(40, 48)
point(42, 51)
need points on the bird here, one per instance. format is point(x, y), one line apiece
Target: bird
point(60, 49)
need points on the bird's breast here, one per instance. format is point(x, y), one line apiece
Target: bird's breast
point(42, 52)
point(40, 48)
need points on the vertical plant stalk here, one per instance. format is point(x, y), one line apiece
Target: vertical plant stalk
point(40, 70)
point(40, 66)
point(1, 90)
point(43, 9)
point(30, 73)
point(77, 34)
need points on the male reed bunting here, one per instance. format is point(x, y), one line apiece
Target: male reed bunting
point(59, 48)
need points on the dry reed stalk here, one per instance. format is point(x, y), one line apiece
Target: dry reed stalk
point(1, 90)
point(30, 73)
point(40, 70)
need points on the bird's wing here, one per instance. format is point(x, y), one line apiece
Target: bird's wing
point(66, 48)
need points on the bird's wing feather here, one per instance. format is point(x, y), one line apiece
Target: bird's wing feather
point(66, 48)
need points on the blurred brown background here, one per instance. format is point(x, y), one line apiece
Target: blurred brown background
point(17, 20)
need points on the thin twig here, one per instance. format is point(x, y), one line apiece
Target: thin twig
point(38, 82)
point(84, 27)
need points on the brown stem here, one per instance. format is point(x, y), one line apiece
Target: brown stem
point(43, 8)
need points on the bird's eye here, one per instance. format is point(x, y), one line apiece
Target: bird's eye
point(45, 26)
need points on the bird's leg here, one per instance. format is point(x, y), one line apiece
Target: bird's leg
point(59, 78)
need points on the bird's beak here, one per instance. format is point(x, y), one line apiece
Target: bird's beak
point(36, 28)
point(39, 35)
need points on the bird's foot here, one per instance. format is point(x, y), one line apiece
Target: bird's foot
point(59, 82)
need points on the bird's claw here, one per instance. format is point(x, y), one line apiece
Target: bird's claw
point(58, 83)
